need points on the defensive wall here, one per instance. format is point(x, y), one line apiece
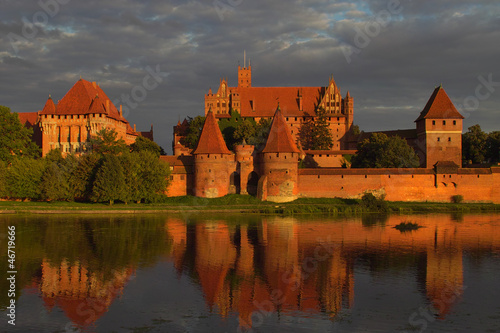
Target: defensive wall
point(475, 185)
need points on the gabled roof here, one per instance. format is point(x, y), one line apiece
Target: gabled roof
point(439, 106)
point(211, 140)
point(260, 101)
point(280, 139)
point(28, 119)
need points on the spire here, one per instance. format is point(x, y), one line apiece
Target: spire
point(439, 106)
point(211, 140)
point(348, 95)
point(280, 139)
point(50, 107)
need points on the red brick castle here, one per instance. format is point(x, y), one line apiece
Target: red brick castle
point(211, 170)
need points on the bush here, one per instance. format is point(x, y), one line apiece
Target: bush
point(457, 198)
point(372, 203)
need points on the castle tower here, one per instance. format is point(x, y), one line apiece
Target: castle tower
point(213, 162)
point(279, 163)
point(439, 131)
point(245, 167)
point(244, 77)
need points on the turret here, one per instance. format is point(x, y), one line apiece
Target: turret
point(213, 162)
point(245, 166)
point(279, 163)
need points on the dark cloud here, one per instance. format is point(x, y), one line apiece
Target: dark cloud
point(293, 42)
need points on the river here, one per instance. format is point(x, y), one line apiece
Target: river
point(236, 273)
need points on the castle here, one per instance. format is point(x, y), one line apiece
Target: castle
point(272, 173)
point(80, 114)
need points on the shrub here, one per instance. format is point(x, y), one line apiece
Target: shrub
point(457, 198)
point(372, 203)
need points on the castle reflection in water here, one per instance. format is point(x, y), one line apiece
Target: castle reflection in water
point(285, 265)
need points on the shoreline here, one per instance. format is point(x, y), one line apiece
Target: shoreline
point(237, 204)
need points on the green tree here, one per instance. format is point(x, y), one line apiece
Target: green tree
point(144, 144)
point(381, 151)
point(245, 131)
point(493, 147)
point(55, 183)
point(261, 133)
point(314, 133)
point(154, 176)
point(106, 142)
point(474, 145)
point(83, 175)
point(193, 131)
point(23, 178)
point(3, 185)
point(15, 139)
point(228, 127)
point(109, 184)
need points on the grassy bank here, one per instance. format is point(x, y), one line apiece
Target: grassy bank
point(245, 204)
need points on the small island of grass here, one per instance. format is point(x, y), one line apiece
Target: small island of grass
point(407, 226)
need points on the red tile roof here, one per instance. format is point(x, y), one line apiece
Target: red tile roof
point(264, 100)
point(28, 119)
point(211, 140)
point(84, 98)
point(280, 139)
point(49, 107)
point(439, 106)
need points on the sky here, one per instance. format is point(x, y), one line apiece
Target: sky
point(159, 58)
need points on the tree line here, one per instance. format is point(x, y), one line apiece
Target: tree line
point(112, 171)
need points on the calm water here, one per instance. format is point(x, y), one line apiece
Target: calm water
point(260, 274)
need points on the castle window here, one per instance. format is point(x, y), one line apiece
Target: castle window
point(439, 139)
point(454, 122)
point(338, 119)
point(318, 176)
point(277, 154)
point(209, 170)
point(342, 177)
point(295, 118)
point(319, 155)
point(449, 139)
point(366, 176)
point(286, 118)
point(327, 155)
point(450, 176)
point(444, 122)
point(433, 122)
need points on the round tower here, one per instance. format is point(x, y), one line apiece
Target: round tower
point(279, 163)
point(244, 160)
point(213, 162)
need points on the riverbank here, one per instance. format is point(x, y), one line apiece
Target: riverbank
point(241, 204)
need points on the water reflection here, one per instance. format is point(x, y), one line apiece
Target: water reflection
point(250, 268)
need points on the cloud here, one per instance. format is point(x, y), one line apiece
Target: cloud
point(290, 43)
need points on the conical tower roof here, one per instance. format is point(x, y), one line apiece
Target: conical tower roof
point(439, 106)
point(211, 140)
point(49, 107)
point(280, 139)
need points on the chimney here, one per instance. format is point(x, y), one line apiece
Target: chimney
point(134, 128)
point(94, 84)
point(107, 106)
point(121, 111)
